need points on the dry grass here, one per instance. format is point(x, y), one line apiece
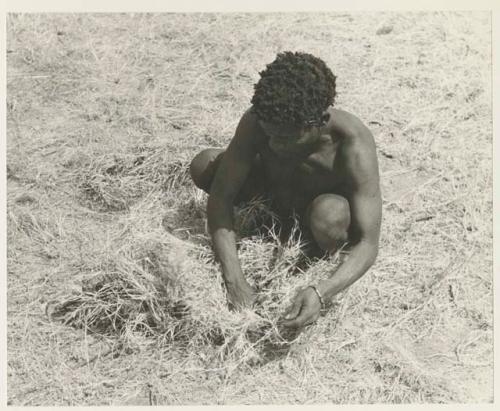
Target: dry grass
point(113, 293)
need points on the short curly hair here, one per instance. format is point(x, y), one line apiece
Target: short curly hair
point(295, 89)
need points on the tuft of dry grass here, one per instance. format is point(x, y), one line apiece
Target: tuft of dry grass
point(114, 296)
point(162, 287)
point(112, 183)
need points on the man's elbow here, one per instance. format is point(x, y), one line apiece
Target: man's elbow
point(219, 212)
point(217, 202)
point(373, 254)
point(370, 251)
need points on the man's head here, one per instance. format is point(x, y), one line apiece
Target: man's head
point(291, 99)
point(295, 90)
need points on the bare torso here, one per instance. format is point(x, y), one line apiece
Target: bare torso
point(292, 183)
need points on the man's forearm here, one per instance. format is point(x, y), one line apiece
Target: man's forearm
point(220, 223)
point(361, 258)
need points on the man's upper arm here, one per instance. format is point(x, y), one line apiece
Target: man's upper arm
point(366, 200)
point(237, 159)
point(366, 214)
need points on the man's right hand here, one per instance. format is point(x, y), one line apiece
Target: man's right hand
point(240, 295)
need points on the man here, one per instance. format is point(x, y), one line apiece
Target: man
point(294, 148)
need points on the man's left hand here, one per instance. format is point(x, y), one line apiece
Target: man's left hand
point(304, 310)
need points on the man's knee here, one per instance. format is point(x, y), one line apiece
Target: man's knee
point(329, 218)
point(203, 167)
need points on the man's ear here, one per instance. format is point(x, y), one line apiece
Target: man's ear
point(325, 117)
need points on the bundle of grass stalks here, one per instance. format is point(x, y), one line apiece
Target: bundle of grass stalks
point(127, 293)
point(170, 291)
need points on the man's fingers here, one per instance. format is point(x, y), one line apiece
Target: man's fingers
point(298, 322)
point(290, 323)
point(294, 310)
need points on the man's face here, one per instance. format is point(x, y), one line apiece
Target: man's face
point(288, 140)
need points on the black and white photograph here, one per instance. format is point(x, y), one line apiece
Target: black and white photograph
point(249, 208)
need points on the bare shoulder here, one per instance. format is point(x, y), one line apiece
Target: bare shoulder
point(249, 118)
point(348, 125)
point(248, 131)
point(358, 148)
point(245, 143)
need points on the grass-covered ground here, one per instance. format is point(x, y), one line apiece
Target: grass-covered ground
point(113, 293)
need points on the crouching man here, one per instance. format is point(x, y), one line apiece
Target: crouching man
point(292, 147)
